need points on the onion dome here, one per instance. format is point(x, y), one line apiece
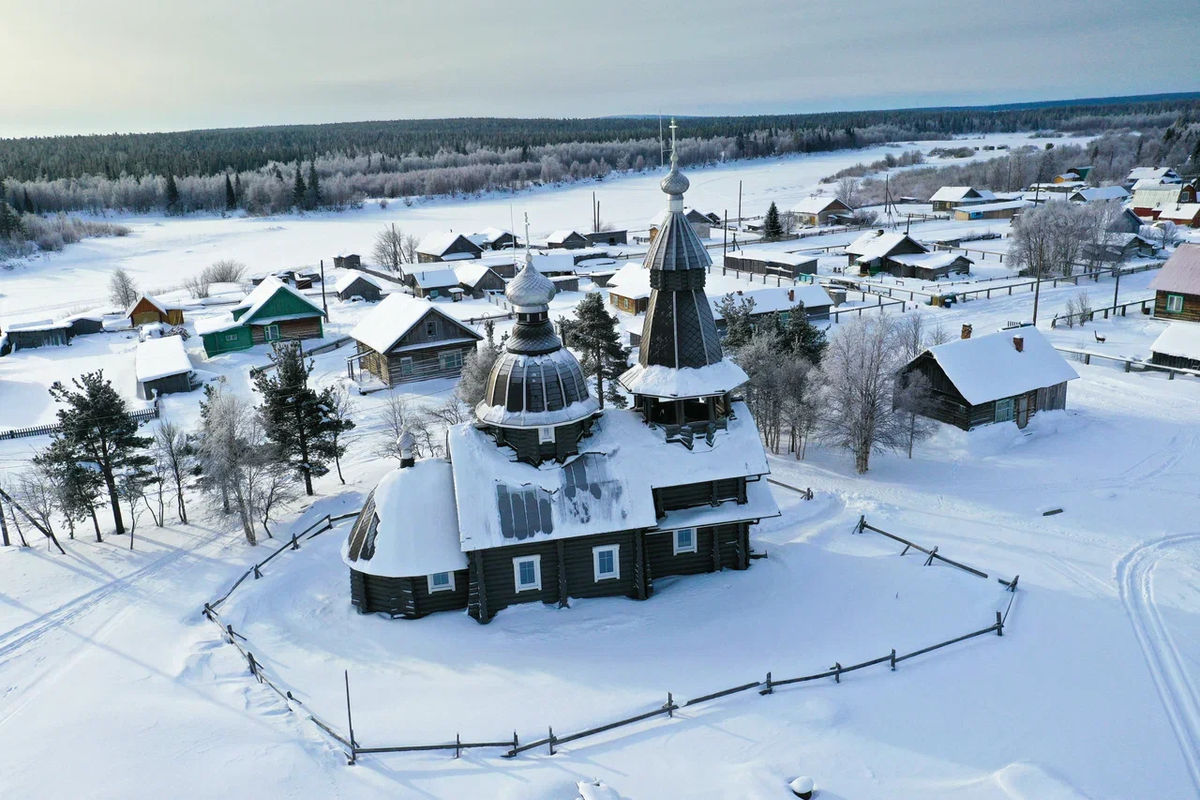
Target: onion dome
point(530, 290)
point(676, 183)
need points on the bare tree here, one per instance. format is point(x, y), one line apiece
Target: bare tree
point(398, 416)
point(856, 376)
point(121, 289)
point(36, 495)
point(273, 487)
point(341, 411)
point(232, 449)
point(1049, 239)
point(847, 190)
point(913, 394)
point(408, 248)
point(388, 251)
point(227, 270)
point(177, 457)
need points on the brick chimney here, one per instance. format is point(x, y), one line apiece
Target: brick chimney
point(791, 295)
point(1019, 343)
point(966, 331)
point(739, 291)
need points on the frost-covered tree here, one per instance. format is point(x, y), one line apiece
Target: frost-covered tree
point(847, 190)
point(121, 289)
point(593, 332)
point(1049, 239)
point(388, 251)
point(913, 394)
point(737, 312)
point(477, 368)
point(175, 456)
point(231, 452)
point(856, 380)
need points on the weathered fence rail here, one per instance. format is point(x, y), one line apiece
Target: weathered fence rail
point(1080, 317)
point(1130, 362)
point(513, 746)
point(139, 416)
point(328, 347)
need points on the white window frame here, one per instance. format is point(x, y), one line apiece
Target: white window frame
point(450, 359)
point(407, 366)
point(232, 337)
point(615, 549)
point(449, 587)
point(1175, 303)
point(546, 434)
point(677, 548)
point(271, 333)
point(536, 586)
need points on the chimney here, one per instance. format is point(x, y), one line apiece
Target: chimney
point(1019, 343)
point(791, 295)
point(739, 291)
point(966, 331)
point(406, 442)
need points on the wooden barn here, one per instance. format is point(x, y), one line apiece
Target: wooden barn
point(816, 211)
point(929, 266)
point(874, 251)
point(433, 282)
point(1099, 194)
point(478, 279)
point(1149, 202)
point(950, 197)
point(162, 367)
point(147, 310)
point(1005, 209)
point(494, 239)
point(773, 263)
point(629, 288)
point(1186, 215)
point(1177, 346)
point(1001, 377)
point(272, 312)
point(351, 261)
point(567, 240)
point(446, 246)
point(607, 238)
point(358, 284)
point(1177, 285)
point(43, 333)
point(404, 339)
point(84, 324)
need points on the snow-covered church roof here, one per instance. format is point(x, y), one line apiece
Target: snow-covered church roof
point(385, 541)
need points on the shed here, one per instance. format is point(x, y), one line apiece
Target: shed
point(608, 238)
point(1094, 194)
point(146, 310)
point(357, 284)
point(84, 324)
point(1184, 214)
point(433, 282)
point(494, 239)
point(565, 283)
point(1153, 174)
point(1005, 209)
point(930, 266)
point(42, 333)
point(786, 265)
point(162, 366)
point(406, 339)
point(1177, 285)
point(1177, 346)
point(351, 261)
point(567, 240)
point(629, 288)
point(273, 311)
point(818, 210)
point(1000, 377)
point(875, 251)
point(446, 246)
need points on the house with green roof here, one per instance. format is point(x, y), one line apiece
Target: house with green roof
point(272, 312)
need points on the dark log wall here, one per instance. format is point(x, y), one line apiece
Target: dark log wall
point(689, 495)
point(426, 364)
point(529, 449)
point(1191, 307)
point(309, 328)
point(732, 545)
point(405, 597)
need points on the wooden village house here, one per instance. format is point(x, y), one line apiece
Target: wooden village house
point(773, 263)
point(1177, 346)
point(351, 261)
point(434, 282)
point(817, 211)
point(1151, 201)
point(494, 239)
point(405, 339)
point(1003, 209)
point(272, 312)
point(446, 246)
point(1000, 377)
point(1177, 285)
point(900, 255)
point(358, 284)
point(567, 240)
point(147, 310)
point(950, 197)
point(544, 497)
point(41, 333)
point(478, 279)
point(607, 238)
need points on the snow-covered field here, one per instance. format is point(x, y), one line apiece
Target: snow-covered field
point(112, 684)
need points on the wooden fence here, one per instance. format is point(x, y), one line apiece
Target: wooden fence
point(1080, 317)
point(513, 746)
point(1130, 362)
point(328, 347)
point(143, 415)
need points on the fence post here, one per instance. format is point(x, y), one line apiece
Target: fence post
point(457, 745)
point(862, 523)
point(999, 624)
point(550, 740)
point(257, 572)
point(837, 675)
point(295, 544)
point(350, 721)
point(893, 659)
point(670, 706)
point(770, 688)
point(932, 553)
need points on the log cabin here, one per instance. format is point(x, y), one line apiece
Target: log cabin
point(358, 284)
point(405, 339)
point(446, 246)
point(1177, 285)
point(272, 312)
point(147, 310)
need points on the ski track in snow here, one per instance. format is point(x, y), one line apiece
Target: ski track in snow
point(1135, 575)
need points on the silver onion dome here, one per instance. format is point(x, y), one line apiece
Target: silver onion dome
point(530, 289)
point(675, 182)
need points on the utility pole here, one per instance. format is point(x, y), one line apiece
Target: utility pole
point(324, 304)
point(662, 159)
point(1037, 290)
point(725, 241)
point(739, 218)
point(1117, 288)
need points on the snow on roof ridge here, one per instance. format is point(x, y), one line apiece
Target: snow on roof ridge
point(989, 367)
point(387, 323)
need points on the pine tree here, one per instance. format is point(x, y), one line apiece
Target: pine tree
point(237, 189)
point(230, 197)
point(593, 332)
point(78, 488)
point(803, 338)
point(313, 197)
point(772, 227)
point(10, 221)
point(299, 420)
point(736, 312)
point(96, 429)
point(28, 207)
point(298, 190)
point(477, 368)
point(172, 195)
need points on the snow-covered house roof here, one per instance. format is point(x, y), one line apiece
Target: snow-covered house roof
point(346, 279)
point(607, 487)
point(1180, 212)
point(1157, 196)
point(469, 273)
point(560, 236)
point(386, 543)
point(489, 236)
point(1094, 193)
point(1003, 205)
point(957, 194)
point(775, 256)
point(1180, 339)
point(159, 358)
point(990, 367)
point(152, 300)
point(387, 323)
point(1155, 174)
point(436, 244)
point(632, 280)
point(435, 278)
point(38, 325)
point(818, 204)
point(252, 303)
point(936, 260)
point(873, 244)
point(1181, 272)
point(777, 299)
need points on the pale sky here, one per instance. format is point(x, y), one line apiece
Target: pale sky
point(82, 66)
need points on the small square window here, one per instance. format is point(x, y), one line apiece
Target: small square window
point(546, 435)
point(441, 582)
point(1175, 303)
point(685, 540)
point(431, 327)
point(451, 359)
point(406, 366)
point(606, 561)
point(231, 337)
point(527, 573)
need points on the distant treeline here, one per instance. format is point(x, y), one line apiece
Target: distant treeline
point(271, 169)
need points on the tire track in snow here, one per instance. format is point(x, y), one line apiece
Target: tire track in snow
point(1135, 573)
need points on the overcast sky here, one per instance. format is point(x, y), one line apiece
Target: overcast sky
point(82, 66)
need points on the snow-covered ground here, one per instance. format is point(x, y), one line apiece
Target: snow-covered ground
point(107, 666)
